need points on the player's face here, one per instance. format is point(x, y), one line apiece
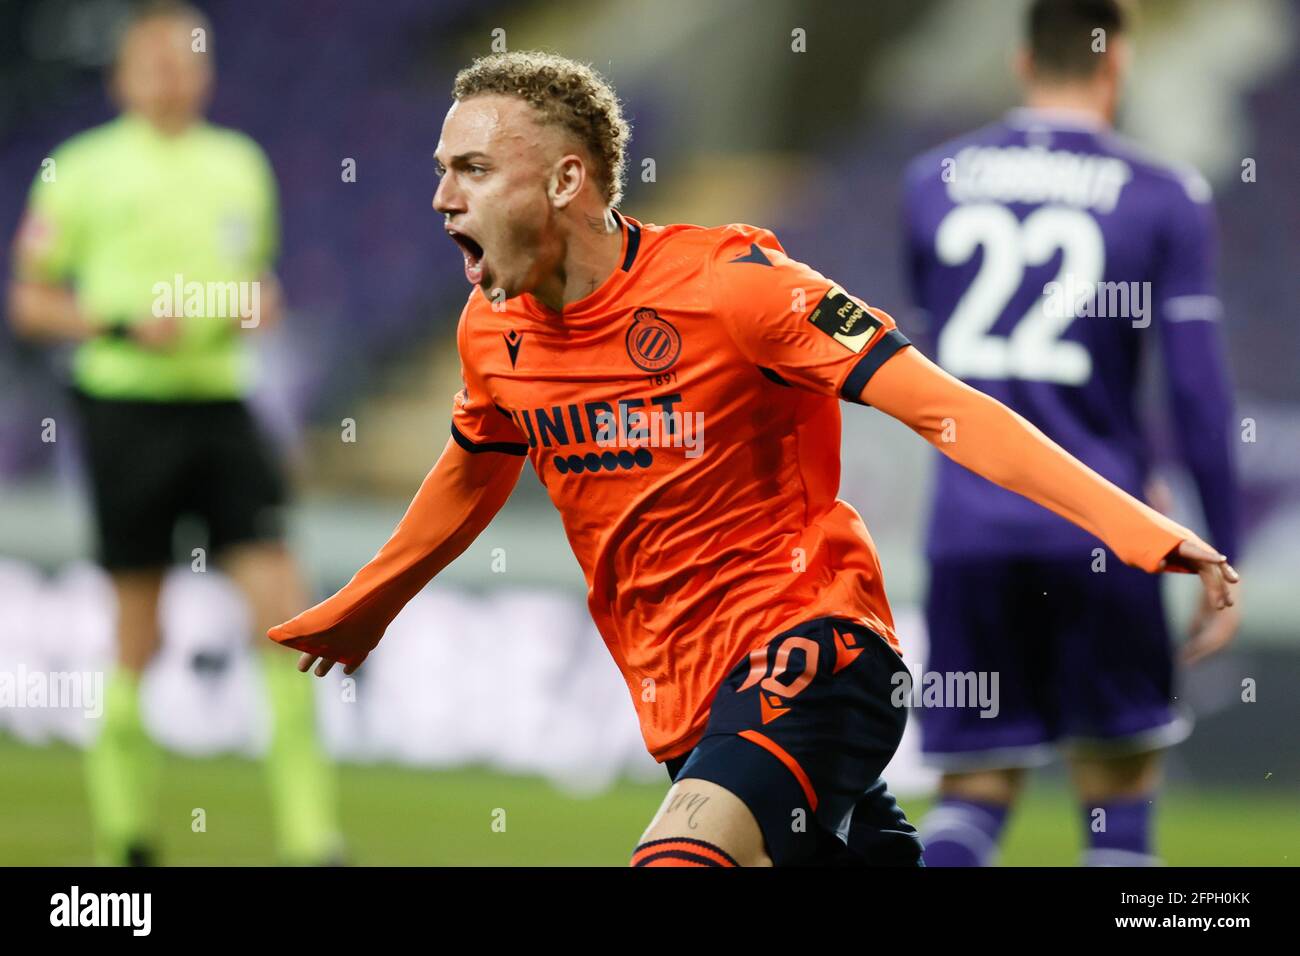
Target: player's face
point(159, 74)
point(496, 162)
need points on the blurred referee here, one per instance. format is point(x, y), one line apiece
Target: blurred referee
point(154, 200)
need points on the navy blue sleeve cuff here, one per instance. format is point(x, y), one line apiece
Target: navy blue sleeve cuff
point(877, 355)
point(474, 448)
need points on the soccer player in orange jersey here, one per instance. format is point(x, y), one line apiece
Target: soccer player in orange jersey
point(677, 391)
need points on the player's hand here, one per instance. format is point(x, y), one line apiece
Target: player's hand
point(1217, 621)
point(158, 333)
point(1212, 629)
point(327, 635)
point(323, 668)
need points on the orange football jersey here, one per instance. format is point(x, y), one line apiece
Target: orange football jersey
point(684, 418)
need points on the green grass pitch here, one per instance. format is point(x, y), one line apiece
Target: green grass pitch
point(398, 816)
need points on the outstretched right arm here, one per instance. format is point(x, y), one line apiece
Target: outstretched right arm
point(456, 501)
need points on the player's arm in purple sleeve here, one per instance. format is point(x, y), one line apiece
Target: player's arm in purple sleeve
point(1187, 314)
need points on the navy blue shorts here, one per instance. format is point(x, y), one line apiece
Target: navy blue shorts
point(800, 731)
point(1082, 658)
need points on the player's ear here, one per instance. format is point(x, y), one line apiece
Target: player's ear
point(567, 180)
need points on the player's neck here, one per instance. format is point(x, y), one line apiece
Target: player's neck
point(591, 255)
point(1086, 102)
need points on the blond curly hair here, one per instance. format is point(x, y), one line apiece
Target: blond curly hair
point(567, 93)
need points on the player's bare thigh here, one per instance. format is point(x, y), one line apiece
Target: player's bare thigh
point(702, 810)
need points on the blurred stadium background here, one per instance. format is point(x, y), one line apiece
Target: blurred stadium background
point(729, 125)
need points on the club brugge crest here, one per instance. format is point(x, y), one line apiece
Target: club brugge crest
point(652, 343)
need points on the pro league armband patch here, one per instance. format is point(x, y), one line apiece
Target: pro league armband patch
point(844, 320)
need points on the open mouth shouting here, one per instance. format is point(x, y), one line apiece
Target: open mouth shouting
point(473, 253)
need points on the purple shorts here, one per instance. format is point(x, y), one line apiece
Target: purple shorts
point(1063, 655)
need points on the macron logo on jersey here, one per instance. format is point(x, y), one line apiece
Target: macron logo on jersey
point(755, 256)
point(513, 341)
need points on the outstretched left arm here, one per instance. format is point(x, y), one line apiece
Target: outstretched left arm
point(991, 440)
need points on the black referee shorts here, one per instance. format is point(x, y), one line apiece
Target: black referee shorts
point(152, 463)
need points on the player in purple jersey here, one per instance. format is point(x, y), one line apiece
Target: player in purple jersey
point(1049, 254)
